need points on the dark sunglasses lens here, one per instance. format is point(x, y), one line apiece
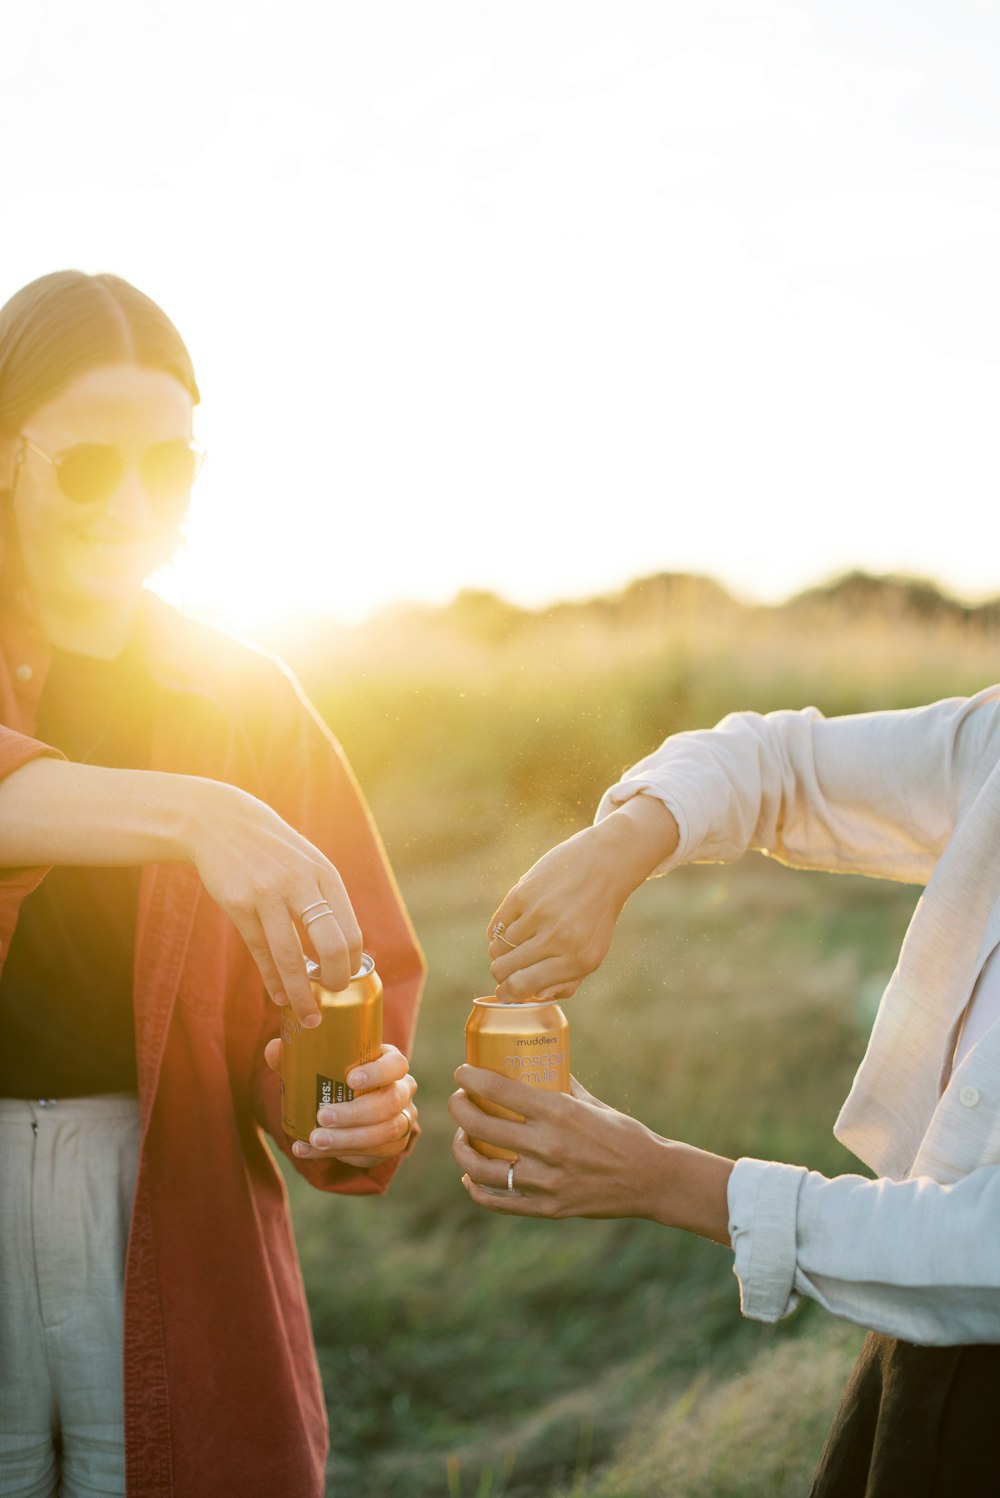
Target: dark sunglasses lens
point(89, 472)
point(169, 469)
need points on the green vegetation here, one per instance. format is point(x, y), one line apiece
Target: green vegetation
point(471, 1356)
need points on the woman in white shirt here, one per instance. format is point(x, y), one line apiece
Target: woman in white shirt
point(913, 1255)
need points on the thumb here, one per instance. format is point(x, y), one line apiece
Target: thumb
point(559, 991)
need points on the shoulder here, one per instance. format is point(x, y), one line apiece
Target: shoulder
point(191, 654)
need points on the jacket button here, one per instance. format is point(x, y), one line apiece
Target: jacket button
point(24, 672)
point(969, 1097)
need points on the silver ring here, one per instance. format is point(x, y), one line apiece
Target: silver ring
point(319, 915)
point(510, 1177)
point(314, 906)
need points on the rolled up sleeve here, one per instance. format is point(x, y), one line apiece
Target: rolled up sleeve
point(913, 1259)
point(16, 750)
point(872, 793)
point(763, 1212)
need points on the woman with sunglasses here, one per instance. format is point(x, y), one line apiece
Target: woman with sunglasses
point(913, 1255)
point(177, 828)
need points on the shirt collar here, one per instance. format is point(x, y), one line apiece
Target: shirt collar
point(177, 659)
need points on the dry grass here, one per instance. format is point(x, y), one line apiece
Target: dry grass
point(475, 1357)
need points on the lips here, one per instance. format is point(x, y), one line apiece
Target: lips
point(117, 546)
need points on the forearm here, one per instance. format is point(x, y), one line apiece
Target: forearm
point(875, 793)
point(914, 1259)
point(686, 1188)
point(55, 812)
point(632, 841)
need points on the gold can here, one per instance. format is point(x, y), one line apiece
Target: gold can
point(315, 1063)
point(528, 1042)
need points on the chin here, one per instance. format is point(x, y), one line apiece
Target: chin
point(113, 584)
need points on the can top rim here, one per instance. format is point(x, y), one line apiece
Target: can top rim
point(367, 967)
point(527, 1003)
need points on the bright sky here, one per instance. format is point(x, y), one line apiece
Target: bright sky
point(542, 296)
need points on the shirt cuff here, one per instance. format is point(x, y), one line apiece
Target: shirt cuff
point(617, 795)
point(763, 1207)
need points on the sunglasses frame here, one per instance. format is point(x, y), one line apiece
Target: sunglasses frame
point(55, 460)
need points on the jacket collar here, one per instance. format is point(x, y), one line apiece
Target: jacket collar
point(168, 639)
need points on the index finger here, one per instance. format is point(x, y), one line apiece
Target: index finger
point(286, 953)
point(520, 1097)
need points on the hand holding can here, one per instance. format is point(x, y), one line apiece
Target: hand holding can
point(315, 1063)
point(527, 1042)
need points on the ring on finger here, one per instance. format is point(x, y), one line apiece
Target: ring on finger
point(510, 1178)
point(318, 915)
point(498, 932)
point(314, 906)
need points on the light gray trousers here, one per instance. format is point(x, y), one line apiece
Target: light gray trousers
point(67, 1178)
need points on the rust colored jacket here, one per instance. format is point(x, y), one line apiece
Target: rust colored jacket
point(222, 1392)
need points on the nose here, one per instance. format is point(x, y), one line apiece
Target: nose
point(130, 503)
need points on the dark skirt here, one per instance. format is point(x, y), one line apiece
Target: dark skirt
point(915, 1422)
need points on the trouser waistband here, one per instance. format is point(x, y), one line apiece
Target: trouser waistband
point(80, 1109)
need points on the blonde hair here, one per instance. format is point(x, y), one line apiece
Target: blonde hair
point(67, 323)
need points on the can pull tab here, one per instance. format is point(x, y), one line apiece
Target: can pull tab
point(367, 966)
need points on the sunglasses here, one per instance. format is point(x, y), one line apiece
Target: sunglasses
point(92, 471)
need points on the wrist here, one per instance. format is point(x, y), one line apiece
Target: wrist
point(692, 1190)
point(637, 837)
point(192, 806)
point(184, 811)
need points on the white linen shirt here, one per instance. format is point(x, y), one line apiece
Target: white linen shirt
point(914, 796)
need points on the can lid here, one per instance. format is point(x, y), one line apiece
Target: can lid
point(525, 1004)
point(367, 966)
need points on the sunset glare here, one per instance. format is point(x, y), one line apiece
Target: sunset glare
point(540, 298)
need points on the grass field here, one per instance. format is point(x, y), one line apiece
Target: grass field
point(471, 1356)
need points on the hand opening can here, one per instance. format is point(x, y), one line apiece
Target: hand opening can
point(315, 1063)
point(528, 1042)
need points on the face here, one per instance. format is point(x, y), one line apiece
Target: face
point(100, 552)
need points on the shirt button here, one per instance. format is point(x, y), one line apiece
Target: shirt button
point(969, 1097)
point(24, 672)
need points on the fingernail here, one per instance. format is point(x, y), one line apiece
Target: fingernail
point(279, 997)
point(358, 1079)
point(320, 1140)
point(298, 1148)
point(325, 1116)
point(311, 1021)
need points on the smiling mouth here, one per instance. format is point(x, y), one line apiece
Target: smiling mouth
point(122, 547)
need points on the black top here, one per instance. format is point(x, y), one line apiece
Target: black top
point(66, 1019)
